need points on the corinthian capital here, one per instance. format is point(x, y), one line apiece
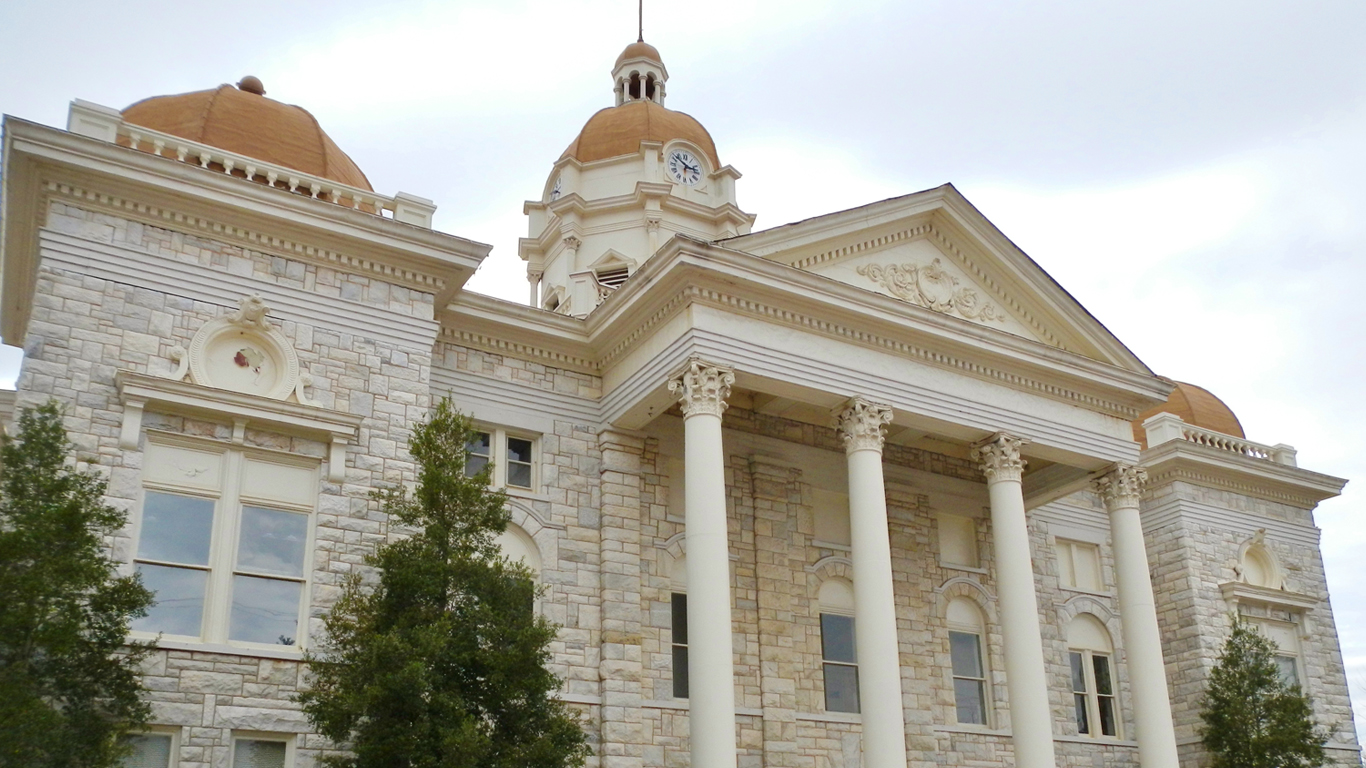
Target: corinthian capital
point(861, 424)
point(999, 456)
point(702, 388)
point(1121, 486)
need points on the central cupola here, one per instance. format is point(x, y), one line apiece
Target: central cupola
point(637, 174)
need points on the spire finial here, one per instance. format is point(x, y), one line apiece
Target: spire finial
point(640, 21)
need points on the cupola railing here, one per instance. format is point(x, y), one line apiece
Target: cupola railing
point(106, 124)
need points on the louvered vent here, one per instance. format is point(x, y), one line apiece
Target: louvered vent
point(614, 277)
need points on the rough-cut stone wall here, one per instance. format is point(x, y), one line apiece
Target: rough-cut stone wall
point(1191, 555)
point(84, 330)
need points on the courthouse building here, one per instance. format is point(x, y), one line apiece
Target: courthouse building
point(868, 490)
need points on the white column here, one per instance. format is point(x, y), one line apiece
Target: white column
point(702, 390)
point(1120, 489)
point(875, 639)
point(1031, 716)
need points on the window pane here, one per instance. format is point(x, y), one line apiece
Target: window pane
point(478, 453)
point(680, 671)
point(272, 541)
point(519, 475)
point(1102, 666)
point(680, 618)
point(252, 753)
point(1107, 716)
point(1083, 722)
point(176, 528)
point(1290, 675)
point(150, 750)
point(265, 610)
point(841, 688)
point(180, 600)
point(967, 658)
point(972, 704)
point(837, 639)
point(1078, 673)
point(519, 450)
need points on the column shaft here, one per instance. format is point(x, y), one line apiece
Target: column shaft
point(875, 638)
point(1142, 639)
point(1031, 716)
point(711, 666)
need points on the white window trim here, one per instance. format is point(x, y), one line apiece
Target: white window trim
point(1093, 695)
point(214, 621)
point(498, 437)
point(288, 738)
point(165, 730)
point(982, 657)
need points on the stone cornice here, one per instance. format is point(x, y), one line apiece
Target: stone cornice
point(43, 163)
point(1179, 460)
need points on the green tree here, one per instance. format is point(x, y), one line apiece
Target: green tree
point(1253, 718)
point(69, 683)
point(439, 660)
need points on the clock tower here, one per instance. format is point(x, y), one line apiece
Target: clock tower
point(635, 176)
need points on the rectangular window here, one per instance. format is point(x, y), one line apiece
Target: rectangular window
point(513, 458)
point(1288, 669)
point(150, 750)
point(840, 663)
point(680, 645)
point(969, 681)
point(262, 751)
point(223, 542)
point(1093, 694)
point(1079, 566)
point(957, 541)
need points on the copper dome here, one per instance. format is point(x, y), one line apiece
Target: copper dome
point(617, 131)
point(1196, 406)
point(639, 50)
point(242, 120)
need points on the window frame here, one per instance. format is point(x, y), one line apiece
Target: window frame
point(226, 535)
point(173, 732)
point(1093, 695)
point(289, 740)
point(498, 450)
point(827, 662)
point(983, 682)
point(1070, 546)
point(677, 648)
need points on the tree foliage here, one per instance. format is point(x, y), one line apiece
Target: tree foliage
point(69, 683)
point(1253, 718)
point(442, 662)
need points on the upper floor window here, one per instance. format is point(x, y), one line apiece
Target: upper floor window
point(1094, 690)
point(262, 750)
point(223, 541)
point(966, 630)
point(512, 456)
point(838, 653)
point(1079, 566)
point(957, 541)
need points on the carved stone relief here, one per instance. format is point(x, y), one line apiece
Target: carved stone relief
point(243, 352)
point(931, 286)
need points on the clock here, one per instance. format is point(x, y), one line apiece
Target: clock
point(684, 168)
point(555, 190)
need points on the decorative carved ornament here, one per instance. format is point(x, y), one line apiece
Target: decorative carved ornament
point(861, 425)
point(702, 388)
point(999, 456)
point(1120, 487)
point(931, 286)
point(243, 352)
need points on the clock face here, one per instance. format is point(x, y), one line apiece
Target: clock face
point(684, 168)
point(555, 190)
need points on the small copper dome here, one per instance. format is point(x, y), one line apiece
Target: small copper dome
point(617, 131)
point(244, 121)
point(1196, 406)
point(639, 50)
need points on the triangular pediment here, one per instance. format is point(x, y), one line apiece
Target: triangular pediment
point(934, 250)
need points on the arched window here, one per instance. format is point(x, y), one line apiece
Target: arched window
point(1094, 688)
point(966, 630)
point(518, 545)
point(840, 663)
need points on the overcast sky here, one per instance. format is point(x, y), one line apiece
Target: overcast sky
point(1190, 171)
